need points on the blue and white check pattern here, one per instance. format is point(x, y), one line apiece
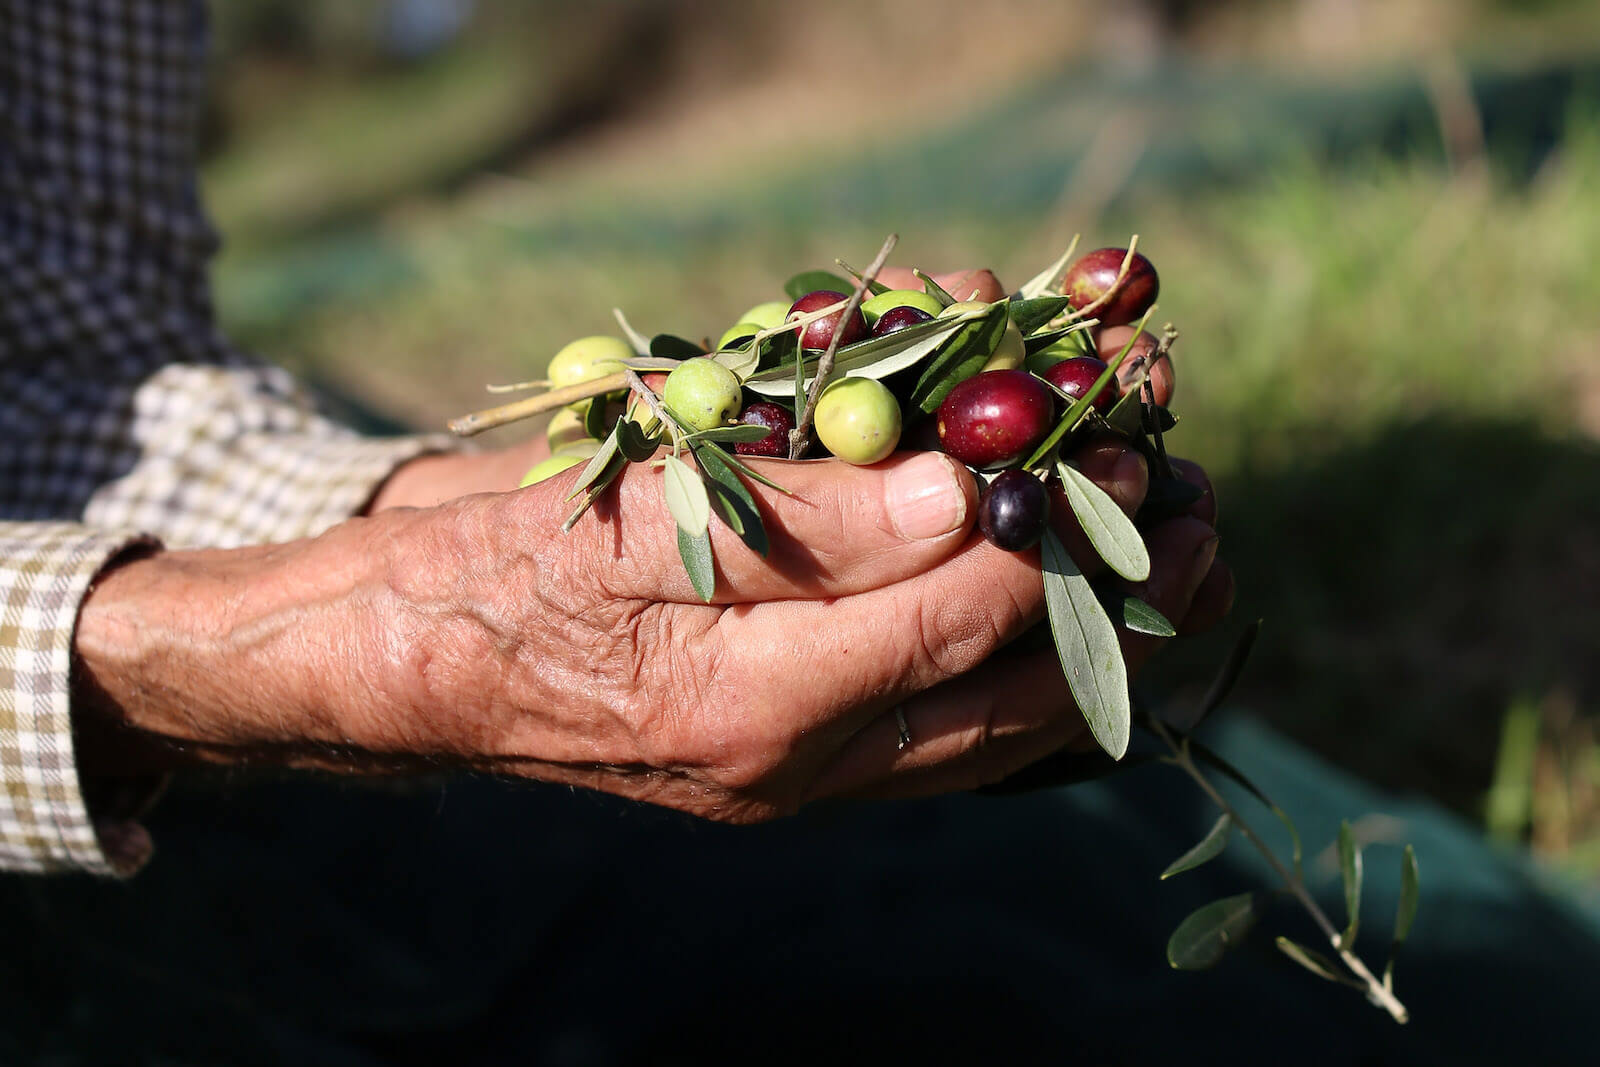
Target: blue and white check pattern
point(126, 418)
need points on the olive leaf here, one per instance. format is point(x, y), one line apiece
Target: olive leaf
point(1111, 532)
point(686, 497)
point(731, 499)
point(594, 417)
point(1315, 962)
point(1209, 756)
point(640, 343)
point(1029, 315)
point(668, 346)
point(876, 287)
point(1074, 414)
point(740, 433)
point(878, 357)
point(639, 363)
point(934, 289)
point(601, 481)
point(750, 472)
point(741, 361)
point(1045, 280)
point(962, 357)
point(810, 281)
point(597, 463)
point(1086, 643)
point(634, 443)
point(1131, 613)
point(696, 555)
point(1208, 848)
point(1350, 870)
point(1405, 914)
point(1203, 938)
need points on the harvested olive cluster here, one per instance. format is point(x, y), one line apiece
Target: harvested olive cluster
point(851, 368)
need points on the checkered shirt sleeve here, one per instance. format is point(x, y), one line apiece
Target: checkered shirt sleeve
point(126, 418)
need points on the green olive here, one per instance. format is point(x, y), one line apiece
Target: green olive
point(1010, 353)
point(738, 331)
point(858, 420)
point(1053, 353)
point(557, 462)
point(586, 359)
point(566, 428)
point(874, 307)
point(702, 393)
point(767, 315)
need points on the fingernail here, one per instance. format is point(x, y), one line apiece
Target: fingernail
point(925, 497)
point(1203, 556)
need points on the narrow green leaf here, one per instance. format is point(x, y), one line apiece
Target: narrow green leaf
point(594, 417)
point(1315, 962)
point(613, 468)
point(737, 434)
point(686, 497)
point(597, 464)
point(640, 343)
point(635, 444)
point(750, 472)
point(1298, 853)
point(1228, 673)
point(1045, 280)
point(809, 281)
point(1029, 315)
point(1209, 932)
point(731, 499)
point(1126, 415)
point(876, 287)
point(1410, 895)
point(668, 346)
point(1209, 848)
point(960, 358)
point(1086, 643)
point(1074, 414)
point(877, 358)
point(643, 363)
point(935, 290)
point(696, 555)
point(1131, 613)
point(1350, 869)
point(1111, 532)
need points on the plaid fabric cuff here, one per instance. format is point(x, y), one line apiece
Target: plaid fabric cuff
point(45, 572)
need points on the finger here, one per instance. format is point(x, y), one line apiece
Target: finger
point(1212, 601)
point(961, 284)
point(839, 530)
point(1204, 509)
point(1012, 710)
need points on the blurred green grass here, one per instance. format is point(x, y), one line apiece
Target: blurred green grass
point(1390, 366)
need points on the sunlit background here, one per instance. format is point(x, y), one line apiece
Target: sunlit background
point(1376, 225)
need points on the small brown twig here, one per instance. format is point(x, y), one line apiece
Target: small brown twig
point(479, 421)
point(800, 436)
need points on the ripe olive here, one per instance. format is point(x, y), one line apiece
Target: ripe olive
point(858, 420)
point(702, 393)
point(1013, 510)
point(776, 418)
point(995, 418)
point(874, 308)
point(819, 334)
point(1162, 380)
point(898, 318)
point(1077, 376)
point(1092, 276)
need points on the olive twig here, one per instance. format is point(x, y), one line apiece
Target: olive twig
point(658, 409)
point(800, 436)
point(479, 421)
point(1376, 991)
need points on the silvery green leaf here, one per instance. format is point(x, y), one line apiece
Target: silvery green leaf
point(1315, 962)
point(1406, 913)
point(934, 289)
point(1045, 280)
point(696, 555)
point(1029, 315)
point(811, 280)
point(1074, 415)
point(1202, 939)
point(960, 358)
point(591, 473)
point(640, 343)
point(1112, 533)
point(1350, 870)
point(750, 472)
point(878, 357)
point(1131, 613)
point(686, 497)
point(1086, 643)
point(1208, 848)
point(742, 361)
point(642, 363)
point(731, 499)
point(613, 468)
point(635, 444)
point(737, 434)
point(668, 346)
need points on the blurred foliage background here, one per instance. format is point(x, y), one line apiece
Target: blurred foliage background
point(1375, 222)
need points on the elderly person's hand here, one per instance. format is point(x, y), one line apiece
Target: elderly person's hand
point(475, 633)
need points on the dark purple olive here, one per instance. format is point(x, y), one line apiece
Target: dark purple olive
point(819, 333)
point(993, 419)
point(774, 417)
point(1013, 510)
point(1092, 276)
point(896, 319)
point(1077, 376)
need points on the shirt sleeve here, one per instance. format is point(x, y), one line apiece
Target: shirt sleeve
point(129, 419)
